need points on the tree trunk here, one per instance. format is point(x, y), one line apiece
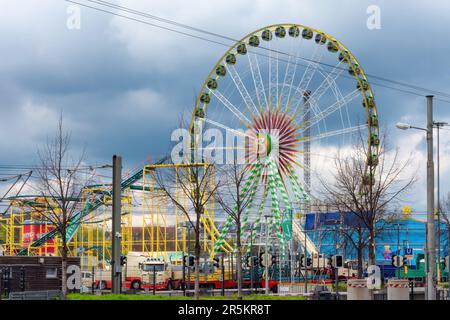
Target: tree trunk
point(372, 247)
point(197, 260)
point(64, 271)
point(239, 261)
point(360, 262)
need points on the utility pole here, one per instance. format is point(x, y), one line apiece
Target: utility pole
point(430, 248)
point(292, 262)
point(267, 255)
point(251, 257)
point(307, 148)
point(438, 125)
point(116, 269)
point(431, 244)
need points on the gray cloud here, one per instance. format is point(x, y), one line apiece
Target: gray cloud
point(123, 85)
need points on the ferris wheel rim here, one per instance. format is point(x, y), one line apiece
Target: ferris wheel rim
point(359, 75)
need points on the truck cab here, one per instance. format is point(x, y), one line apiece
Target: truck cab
point(155, 272)
point(349, 270)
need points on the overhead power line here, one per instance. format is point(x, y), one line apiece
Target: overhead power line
point(209, 33)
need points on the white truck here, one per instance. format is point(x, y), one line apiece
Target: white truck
point(143, 272)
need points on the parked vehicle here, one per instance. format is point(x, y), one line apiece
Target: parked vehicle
point(143, 272)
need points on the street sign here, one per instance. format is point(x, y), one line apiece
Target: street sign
point(408, 251)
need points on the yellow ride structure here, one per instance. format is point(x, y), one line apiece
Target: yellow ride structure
point(151, 224)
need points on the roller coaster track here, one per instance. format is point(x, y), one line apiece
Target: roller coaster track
point(90, 206)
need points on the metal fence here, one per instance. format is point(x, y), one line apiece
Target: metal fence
point(36, 295)
point(442, 294)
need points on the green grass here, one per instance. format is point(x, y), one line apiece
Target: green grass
point(254, 297)
point(77, 296)
point(342, 287)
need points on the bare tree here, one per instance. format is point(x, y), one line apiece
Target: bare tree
point(60, 187)
point(367, 201)
point(234, 196)
point(190, 188)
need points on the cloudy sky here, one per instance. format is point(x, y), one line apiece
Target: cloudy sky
point(123, 85)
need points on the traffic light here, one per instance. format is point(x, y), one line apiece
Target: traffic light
point(394, 260)
point(337, 261)
point(248, 261)
point(123, 260)
point(216, 262)
point(253, 261)
point(302, 260)
point(274, 259)
point(188, 261)
point(397, 261)
point(405, 260)
point(266, 259)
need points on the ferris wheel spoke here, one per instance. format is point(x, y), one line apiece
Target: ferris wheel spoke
point(307, 75)
point(222, 148)
point(331, 109)
point(273, 78)
point(328, 82)
point(335, 133)
point(242, 90)
point(289, 74)
point(231, 107)
point(257, 81)
point(222, 126)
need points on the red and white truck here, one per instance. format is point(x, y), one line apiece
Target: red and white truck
point(143, 272)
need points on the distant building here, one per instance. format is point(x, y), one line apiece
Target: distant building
point(31, 273)
point(324, 230)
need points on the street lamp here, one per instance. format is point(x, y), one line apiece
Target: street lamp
point(430, 239)
point(403, 126)
point(437, 125)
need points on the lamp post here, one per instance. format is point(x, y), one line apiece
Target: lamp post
point(430, 248)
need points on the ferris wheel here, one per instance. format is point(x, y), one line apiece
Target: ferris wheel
point(290, 94)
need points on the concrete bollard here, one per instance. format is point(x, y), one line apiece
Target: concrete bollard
point(398, 289)
point(357, 290)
